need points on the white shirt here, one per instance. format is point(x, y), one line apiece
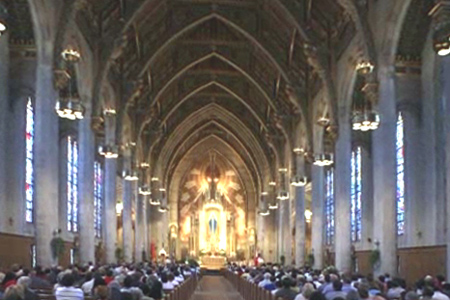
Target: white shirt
point(168, 285)
point(300, 297)
point(69, 293)
point(438, 295)
point(87, 286)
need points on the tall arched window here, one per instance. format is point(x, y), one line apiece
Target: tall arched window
point(29, 167)
point(400, 146)
point(329, 206)
point(72, 184)
point(98, 198)
point(356, 192)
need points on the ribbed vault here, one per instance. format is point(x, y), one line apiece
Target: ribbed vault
point(232, 77)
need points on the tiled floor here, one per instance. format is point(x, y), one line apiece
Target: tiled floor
point(215, 288)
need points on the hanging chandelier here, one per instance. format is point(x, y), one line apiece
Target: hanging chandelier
point(273, 206)
point(297, 181)
point(365, 120)
point(70, 108)
point(145, 190)
point(3, 17)
point(130, 175)
point(323, 160)
point(163, 209)
point(155, 202)
point(69, 105)
point(441, 35)
point(108, 151)
point(264, 213)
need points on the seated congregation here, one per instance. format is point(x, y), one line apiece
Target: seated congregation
point(110, 282)
point(286, 283)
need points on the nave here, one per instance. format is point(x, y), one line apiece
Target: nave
point(307, 134)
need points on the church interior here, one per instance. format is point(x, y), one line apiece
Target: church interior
point(302, 132)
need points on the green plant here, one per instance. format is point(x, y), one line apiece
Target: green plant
point(374, 257)
point(57, 246)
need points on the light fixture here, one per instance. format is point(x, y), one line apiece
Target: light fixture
point(162, 189)
point(323, 121)
point(272, 183)
point(108, 151)
point(155, 202)
point(365, 121)
point(298, 181)
point(145, 165)
point(155, 179)
point(264, 212)
point(441, 39)
point(163, 209)
point(71, 55)
point(364, 67)
point(69, 108)
point(119, 208)
point(282, 170)
point(283, 195)
point(323, 160)
point(130, 175)
point(308, 215)
point(3, 17)
point(109, 111)
point(264, 193)
point(298, 150)
point(145, 190)
point(273, 206)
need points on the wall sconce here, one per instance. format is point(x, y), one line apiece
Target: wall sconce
point(323, 160)
point(130, 175)
point(145, 190)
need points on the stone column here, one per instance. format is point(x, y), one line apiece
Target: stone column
point(318, 199)
point(446, 100)
point(342, 238)
point(4, 77)
point(127, 226)
point(408, 85)
point(367, 200)
point(46, 164)
point(110, 217)
point(285, 233)
point(138, 225)
point(385, 178)
point(300, 222)
point(86, 146)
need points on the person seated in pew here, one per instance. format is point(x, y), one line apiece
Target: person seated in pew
point(14, 292)
point(178, 277)
point(286, 291)
point(67, 291)
point(167, 285)
point(25, 281)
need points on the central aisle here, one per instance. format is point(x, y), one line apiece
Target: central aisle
point(215, 288)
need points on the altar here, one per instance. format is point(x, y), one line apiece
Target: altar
point(213, 262)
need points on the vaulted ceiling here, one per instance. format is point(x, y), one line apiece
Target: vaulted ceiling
point(243, 71)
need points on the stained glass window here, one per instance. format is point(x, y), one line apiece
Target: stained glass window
point(329, 206)
point(33, 256)
point(72, 184)
point(98, 198)
point(400, 146)
point(29, 168)
point(356, 192)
